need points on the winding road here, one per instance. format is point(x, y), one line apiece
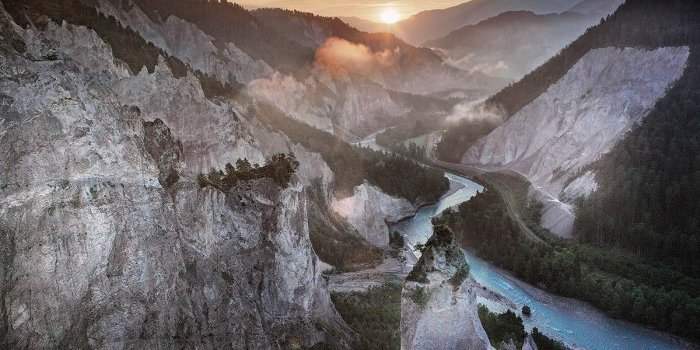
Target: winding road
point(503, 189)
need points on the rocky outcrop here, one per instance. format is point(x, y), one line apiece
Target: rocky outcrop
point(529, 343)
point(164, 150)
point(369, 209)
point(438, 301)
point(581, 117)
point(105, 239)
point(348, 106)
point(343, 106)
point(97, 270)
point(185, 41)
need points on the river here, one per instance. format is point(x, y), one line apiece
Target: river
point(573, 322)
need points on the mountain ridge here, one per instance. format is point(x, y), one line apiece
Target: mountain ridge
point(433, 24)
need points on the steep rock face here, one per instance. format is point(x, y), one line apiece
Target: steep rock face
point(292, 97)
point(438, 302)
point(348, 107)
point(164, 150)
point(580, 117)
point(93, 271)
point(343, 106)
point(213, 133)
point(97, 254)
point(557, 215)
point(369, 209)
point(184, 40)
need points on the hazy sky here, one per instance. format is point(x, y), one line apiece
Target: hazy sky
point(367, 9)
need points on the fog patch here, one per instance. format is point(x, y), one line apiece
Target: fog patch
point(470, 64)
point(475, 112)
point(341, 57)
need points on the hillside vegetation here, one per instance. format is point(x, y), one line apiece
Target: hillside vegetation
point(127, 45)
point(508, 327)
point(227, 22)
point(352, 165)
point(280, 168)
point(374, 315)
point(651, 182)
point(621, 285)
point(637, 23)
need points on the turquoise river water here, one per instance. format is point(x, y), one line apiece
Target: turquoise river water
point(575, 323)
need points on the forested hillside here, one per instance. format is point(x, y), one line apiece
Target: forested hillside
point(354, 165)
point(251, 35)
point(637, 23)
point(290, 24)
point(127, 45)
point(649, 184)
point(621, 285)
point(513, 43)
point(639, 232)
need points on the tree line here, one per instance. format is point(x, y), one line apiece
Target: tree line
point(623, 287)
point(508, 327)
point(636, 23)
point(396, 175)
point(280, 168)
point(127, 45)
point(651, 182)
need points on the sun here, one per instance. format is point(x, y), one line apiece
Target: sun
point(389, 15)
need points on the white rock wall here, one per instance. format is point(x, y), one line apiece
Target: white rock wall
point(187, 42)
point(449, 320)
point(369, 210)
point(447, 316)
point(581, 117)
point(96, 254)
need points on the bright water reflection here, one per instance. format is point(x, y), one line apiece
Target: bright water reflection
point(570, 321)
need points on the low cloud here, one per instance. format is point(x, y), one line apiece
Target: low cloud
point(470, 64)
point(341, 57)
point(475, 111)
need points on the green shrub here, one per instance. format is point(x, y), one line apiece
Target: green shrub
point(417, 275)
point(280, 168)
point(501, 328)
point(545, 343)
point(396, 240)
point(420, 296)
point(375, 316)
point(352, 165)
point(459, 276)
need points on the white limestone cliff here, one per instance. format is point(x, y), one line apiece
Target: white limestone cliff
point(582, 116)
point(438, 301)
point(187, 42)
point(346, 107)
point(99, 252)
point(369, 210)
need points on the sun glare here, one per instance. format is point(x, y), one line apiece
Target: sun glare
point(389, 15)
